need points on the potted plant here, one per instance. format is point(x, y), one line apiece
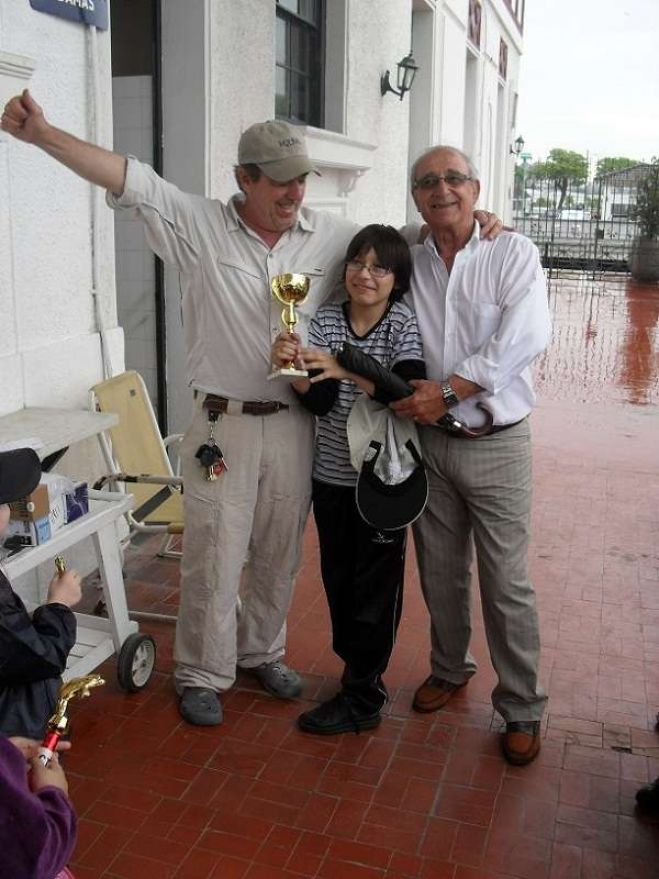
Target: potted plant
point(644, 255)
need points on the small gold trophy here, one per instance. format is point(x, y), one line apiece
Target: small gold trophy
point(58, 724)
point(290, 290)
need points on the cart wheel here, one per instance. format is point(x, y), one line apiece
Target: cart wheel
point(136, 661)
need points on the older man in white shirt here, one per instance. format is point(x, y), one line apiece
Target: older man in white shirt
point(483, 314)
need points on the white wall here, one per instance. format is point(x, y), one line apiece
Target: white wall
point(51, 352)
point(379, 36)
point(50, 347)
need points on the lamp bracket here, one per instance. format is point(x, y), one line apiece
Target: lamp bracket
point(386, 86)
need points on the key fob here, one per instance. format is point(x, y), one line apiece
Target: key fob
point(206, 454)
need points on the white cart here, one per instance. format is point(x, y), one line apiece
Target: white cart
point(98, 638)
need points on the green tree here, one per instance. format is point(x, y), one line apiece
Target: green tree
point(646, 210)
point(563, 167)
point(614, 163)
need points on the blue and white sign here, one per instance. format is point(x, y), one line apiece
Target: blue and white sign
point(94, 12)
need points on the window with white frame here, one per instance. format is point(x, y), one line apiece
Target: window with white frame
point(475, 15)
point(299, 46)
point(503, 59)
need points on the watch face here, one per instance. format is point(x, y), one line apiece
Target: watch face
point(449, 395)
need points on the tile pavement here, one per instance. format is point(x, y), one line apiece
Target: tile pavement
point(428, 797)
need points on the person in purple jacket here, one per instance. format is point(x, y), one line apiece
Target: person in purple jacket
point(37, 819)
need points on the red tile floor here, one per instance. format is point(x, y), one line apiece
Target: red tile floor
point(428, 796)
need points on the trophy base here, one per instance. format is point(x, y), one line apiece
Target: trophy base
point(290, 373)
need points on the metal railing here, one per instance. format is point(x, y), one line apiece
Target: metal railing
point(586, 227)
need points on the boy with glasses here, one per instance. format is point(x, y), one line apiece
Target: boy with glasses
point(362, 569)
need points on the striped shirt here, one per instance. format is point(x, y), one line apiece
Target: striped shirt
point(394, 338)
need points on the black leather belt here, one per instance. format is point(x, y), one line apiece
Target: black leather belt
point(237, 407)
point(495, 428)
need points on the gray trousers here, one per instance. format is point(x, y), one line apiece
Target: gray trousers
point(243, 536)
point(481, 489)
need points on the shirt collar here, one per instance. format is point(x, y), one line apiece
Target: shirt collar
point(234, 222)
point(305, 221)
point(469, 247)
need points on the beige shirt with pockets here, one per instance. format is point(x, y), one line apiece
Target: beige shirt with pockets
point(230, 316)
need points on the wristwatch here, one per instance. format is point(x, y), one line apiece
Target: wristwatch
point(448, 394)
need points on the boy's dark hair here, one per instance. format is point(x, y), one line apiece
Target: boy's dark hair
point(391, 250)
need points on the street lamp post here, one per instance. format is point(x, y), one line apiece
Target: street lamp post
point(525, 157)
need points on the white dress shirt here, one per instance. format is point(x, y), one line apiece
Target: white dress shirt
point(486, 321)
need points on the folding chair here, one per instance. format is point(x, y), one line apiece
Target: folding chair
point(137, 454)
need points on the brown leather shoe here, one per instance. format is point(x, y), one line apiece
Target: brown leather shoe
point(433, 694)
point(521, 741)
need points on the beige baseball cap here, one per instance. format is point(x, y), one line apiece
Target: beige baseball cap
point(279, 150)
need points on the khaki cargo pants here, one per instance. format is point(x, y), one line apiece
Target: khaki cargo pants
point(243, 536)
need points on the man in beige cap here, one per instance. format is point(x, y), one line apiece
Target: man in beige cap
point(247, 524)
point(243, 530)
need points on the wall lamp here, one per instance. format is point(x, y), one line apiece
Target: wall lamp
point(518, 146)
point(405, 77)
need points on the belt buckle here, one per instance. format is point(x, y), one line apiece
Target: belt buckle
point(234, 407)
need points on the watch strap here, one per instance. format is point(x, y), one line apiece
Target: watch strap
point(450, 397)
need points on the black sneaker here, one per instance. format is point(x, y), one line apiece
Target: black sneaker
point(338, 715)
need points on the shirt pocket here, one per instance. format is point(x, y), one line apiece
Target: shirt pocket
point(228, 267)
point(486, 318)
point(316, 279)
point(238, 292)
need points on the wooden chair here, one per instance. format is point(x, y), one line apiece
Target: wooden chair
point(136, 456)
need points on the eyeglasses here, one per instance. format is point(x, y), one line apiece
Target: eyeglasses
point(353, 265)
point(430, 181)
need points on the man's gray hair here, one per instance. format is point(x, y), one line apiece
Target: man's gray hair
point(473, 170)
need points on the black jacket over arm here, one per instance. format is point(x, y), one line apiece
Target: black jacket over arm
point(320, 397)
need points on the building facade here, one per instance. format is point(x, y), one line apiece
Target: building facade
point(174, 82)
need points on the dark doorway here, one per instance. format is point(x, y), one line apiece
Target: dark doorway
point(136, 104)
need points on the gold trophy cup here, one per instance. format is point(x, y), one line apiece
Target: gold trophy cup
point(290, 290)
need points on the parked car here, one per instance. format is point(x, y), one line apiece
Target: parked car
point(574, 214)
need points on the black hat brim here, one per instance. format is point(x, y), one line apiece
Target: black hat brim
point(390, 507)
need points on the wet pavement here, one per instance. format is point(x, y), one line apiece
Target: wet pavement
point(429, 797)
point(605, 345)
